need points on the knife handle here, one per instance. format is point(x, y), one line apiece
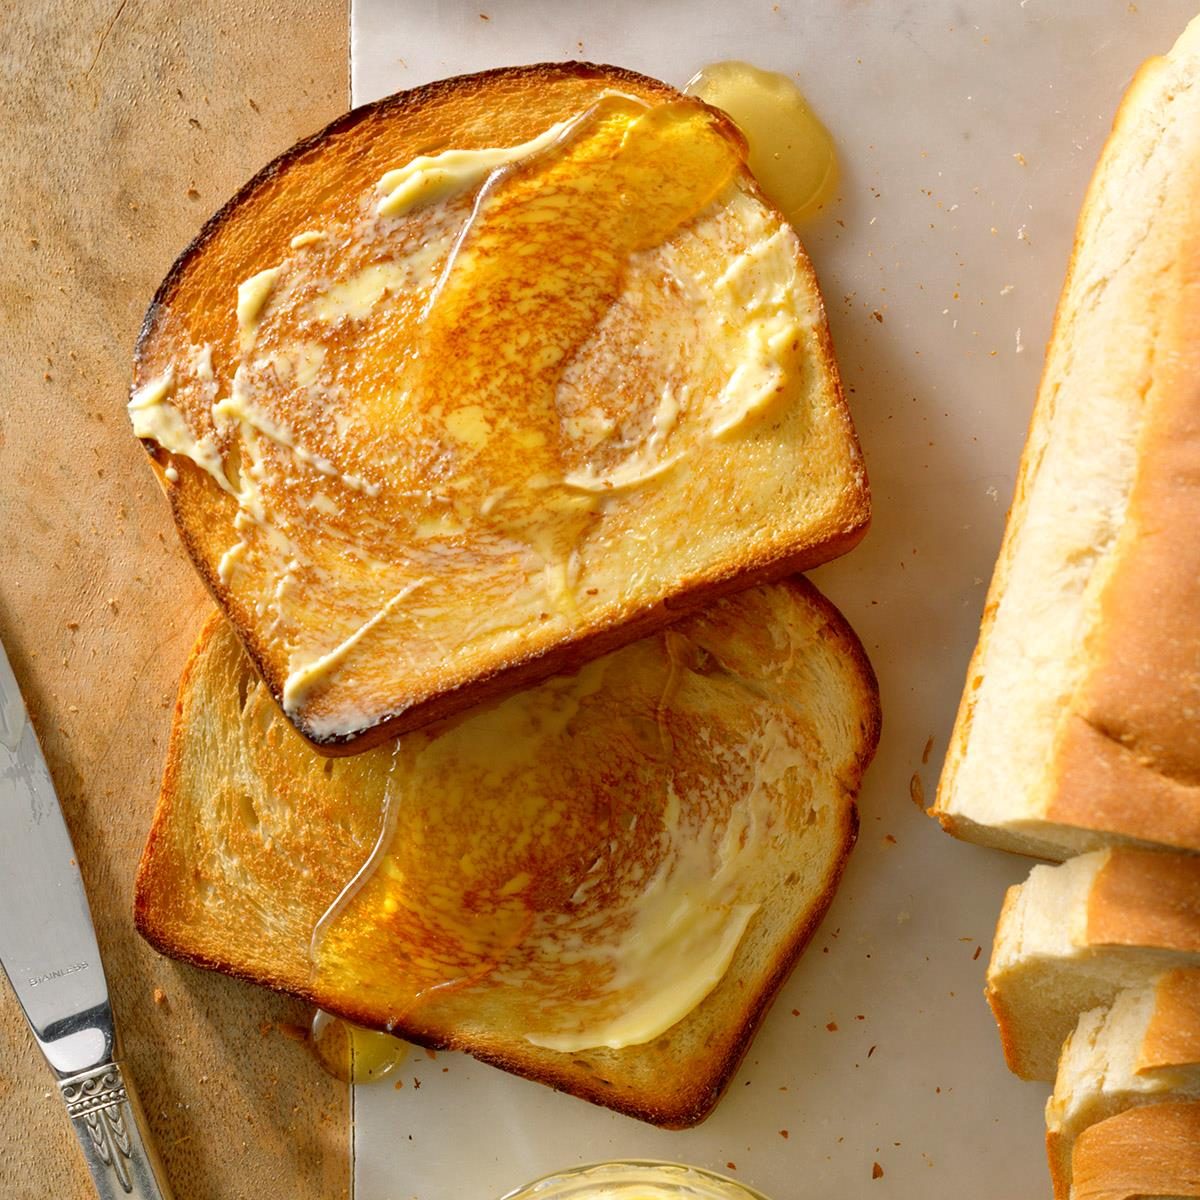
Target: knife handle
point(112, 1131)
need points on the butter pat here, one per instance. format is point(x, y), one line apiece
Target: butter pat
point(252, 296)
point(156, 419)
point(431, 179)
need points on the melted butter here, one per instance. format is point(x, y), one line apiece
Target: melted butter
point(238, 406)
point(637, 939)
point(430, 179)
point(356, 297)
point(252, 297)
point(791, 153)
point(508, 263)
point(351, 1053)
point(302, 679)
point(687, 924)
point(155, 418)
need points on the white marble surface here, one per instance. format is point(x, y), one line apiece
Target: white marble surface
point(940, 265)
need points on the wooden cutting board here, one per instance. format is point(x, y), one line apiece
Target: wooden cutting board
point(124, 124)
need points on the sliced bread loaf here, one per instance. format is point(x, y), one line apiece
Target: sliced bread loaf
point(1072, 936)
point(1143, 1048)
point(1078, 725)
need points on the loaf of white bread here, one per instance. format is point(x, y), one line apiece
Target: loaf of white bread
point(1148, 1153)
point(1078, 725)
point(1142, 1049)
point(1072, 936)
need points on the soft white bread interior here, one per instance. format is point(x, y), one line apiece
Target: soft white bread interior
point(600, 882)
point(1072, 936)
point(1078, 726)
point(1146, 1153)
point(1144, 1048)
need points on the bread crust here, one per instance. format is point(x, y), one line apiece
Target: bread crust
point(995, 997)
point(1149, 1151)
point(1143, 898)
point(1126, 760)
point(201, 510)
point(162, 917)
point(1173, 1035)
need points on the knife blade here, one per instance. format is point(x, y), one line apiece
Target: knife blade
point(49, 953)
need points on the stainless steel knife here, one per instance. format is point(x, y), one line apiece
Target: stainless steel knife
point(48, 951)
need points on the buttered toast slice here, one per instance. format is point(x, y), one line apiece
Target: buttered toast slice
point(485, 380)
point(599, 883)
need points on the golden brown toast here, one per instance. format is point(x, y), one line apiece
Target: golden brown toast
point(599, 883)
point(485, 380)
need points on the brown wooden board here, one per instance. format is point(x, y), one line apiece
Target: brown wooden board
point(122, 125)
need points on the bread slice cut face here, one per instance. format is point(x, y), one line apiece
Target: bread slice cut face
point(1072, 936)
point(485, 380)
point(600, 882)
point(1143, 1049)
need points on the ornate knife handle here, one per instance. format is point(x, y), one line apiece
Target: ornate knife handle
point(111, 1127)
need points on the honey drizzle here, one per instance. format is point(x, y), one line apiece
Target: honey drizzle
point(792, 154)
point(351, 1053)
point(387, 829)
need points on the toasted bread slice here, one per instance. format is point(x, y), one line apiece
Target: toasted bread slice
point(1143, 1049)
point(1077, 727)
point(599, 883)
point(485, 380)
point(1072, 936)
point(1149, 1153)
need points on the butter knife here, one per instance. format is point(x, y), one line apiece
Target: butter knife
point(48, 951)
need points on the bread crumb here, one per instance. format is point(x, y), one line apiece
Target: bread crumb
point(832, 1027)
point(876, 1171)
point(872, 1050)
point(783, 1133)
point(889, 839)
point(916, 790)
point(160, 997)
point(927, 751)
point(398, 1084)
point(1020, 158)
point(731, 1166)
point(978, 952)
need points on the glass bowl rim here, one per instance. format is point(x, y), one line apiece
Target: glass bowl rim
point(567, 1175)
